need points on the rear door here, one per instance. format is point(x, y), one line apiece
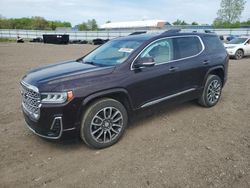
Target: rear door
point(191, 63)
point(215, 50)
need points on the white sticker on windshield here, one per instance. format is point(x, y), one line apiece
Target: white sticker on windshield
point(127, 50)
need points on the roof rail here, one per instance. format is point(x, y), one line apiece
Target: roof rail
point(171, 31)
point(138, 32)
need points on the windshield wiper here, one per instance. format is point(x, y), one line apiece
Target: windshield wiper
point(89, 62)
point(86, 62)
point(93, 63)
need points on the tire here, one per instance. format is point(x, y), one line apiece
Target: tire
point(212, 91)
point(103, 123)
point(239, 54)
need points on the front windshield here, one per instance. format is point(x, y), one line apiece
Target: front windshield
point(237, 41)
point(112, 53)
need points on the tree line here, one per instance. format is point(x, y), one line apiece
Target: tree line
point(228, 16)
point(31, 23)
point(40, 23)
point(90, 25)
point(218, 23)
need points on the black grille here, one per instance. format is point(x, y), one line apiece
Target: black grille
point(31, 101)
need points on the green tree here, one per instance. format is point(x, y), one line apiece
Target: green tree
point(31, 23)
point(177, 22)
point(92, 25)
point(230, 12)
point(54, 24)
point(184, 23)
point(180, 22)
point(195, 23)
point(246, 23)
point(82, 27)
point(39, 23)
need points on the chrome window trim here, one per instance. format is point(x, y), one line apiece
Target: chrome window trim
point(167, 97)
point(202, 44)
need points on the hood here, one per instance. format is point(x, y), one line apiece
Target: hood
point(229, 45)
point(63, 71)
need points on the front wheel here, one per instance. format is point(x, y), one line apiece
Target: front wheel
point(211, 92)
point(239, 54)
point(103, 123)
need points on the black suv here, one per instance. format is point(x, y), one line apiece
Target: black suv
point(93, 95)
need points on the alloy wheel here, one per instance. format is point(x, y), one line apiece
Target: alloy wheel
point(214, 91)
point(239, 54)
point(106, 125)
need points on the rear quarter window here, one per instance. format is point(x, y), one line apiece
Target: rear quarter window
point(213, 43)
point(187, 46)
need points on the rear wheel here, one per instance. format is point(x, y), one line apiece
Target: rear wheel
point(103, 123)
point(239, 54)
point(212, 91)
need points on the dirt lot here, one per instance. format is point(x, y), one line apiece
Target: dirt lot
point(181, 146)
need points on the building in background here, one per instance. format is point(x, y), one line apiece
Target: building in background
point(135, 25)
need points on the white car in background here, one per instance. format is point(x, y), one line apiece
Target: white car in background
point(238, 47)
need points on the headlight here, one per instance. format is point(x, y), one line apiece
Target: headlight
point(56, 97)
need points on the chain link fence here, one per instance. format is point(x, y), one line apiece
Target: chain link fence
point(109, 34)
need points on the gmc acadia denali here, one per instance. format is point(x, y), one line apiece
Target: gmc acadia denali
point(93, 95)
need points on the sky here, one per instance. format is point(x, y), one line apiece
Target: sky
point(78, 11)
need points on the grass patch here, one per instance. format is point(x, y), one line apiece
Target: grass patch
point(7, 40)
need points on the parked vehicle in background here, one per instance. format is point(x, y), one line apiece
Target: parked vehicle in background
point(238, 47)
point(95, 95)
point(55, 39)
point(99, 41)
point(37, 39)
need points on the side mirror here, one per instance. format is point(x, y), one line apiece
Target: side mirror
point(144, 62)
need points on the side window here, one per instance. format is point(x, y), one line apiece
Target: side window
point(187, 46)
point(213, 43)
point(161, 51)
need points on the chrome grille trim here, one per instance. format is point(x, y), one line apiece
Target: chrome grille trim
point(31, 100)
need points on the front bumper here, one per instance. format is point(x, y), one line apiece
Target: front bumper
point(55, 132)
point(54, 122)
point(231, 51)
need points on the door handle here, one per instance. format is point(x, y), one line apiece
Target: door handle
point(173, 69)
point(206, 62)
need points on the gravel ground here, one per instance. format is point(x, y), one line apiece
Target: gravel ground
point(182, 146)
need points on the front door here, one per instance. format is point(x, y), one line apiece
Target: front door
point(247, 47)
point(153, 83)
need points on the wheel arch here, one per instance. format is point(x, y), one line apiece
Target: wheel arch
point(241, 49)
point(219, 71)
point(119, 94)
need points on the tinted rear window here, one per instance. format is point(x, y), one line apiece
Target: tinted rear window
point(213, 43)
point(187, 46)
